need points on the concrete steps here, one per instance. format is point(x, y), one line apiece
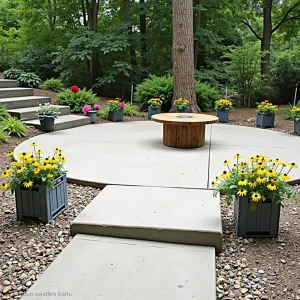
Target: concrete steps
point(24, 102)
point(29, 113)
point(8, 83)
point(15, 92)
point(63, 122)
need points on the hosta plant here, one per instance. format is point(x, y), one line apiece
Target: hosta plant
point(258, 177)
point(29, 80)
point(223, 104)
point(267, 108)
point(12, 73)
point(13, 127)
point(3, 137)
point(33, 169)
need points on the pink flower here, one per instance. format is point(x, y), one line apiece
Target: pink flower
point(86, 109)
point(74, 88)
point(122, 104)
point(97, 106)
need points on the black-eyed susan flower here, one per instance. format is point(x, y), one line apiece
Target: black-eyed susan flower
point(28, 184)
point(261, 171)
point(252, 184)
point(15, 164)
point(50, 175)
point(21, 170)
point(213, 184)
point(242, 192)
point(33, 144)
point(36, 171)
point(226, 162)
point(272, 186)
point(271, 173)
point(256, 197)
point(285, 177)
point(243, 173)
point(292, 165)
point(10, 154)
point(55, 150)
point(243, 182)
point(39, 152)
point(261, 179)
point(5, 174)
point(225, 174)
point(237, 156)
point(4, 186)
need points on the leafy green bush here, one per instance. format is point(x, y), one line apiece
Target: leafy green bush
point(103, 113)
point(13, 126)
point(3, 112)
point(53, 84)
point(287, 111)
point(76, 100)
point(131, 111)
point(12, 73)
point(29, 80)
point(162, 87)
point(3, 137)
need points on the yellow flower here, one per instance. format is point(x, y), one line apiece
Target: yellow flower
point(5, 174)
point(271, 173)
point(4, 186)
point(36, 164)
point(15, 164)
point(226, 162)
point(285, 177)
point(261, 179)
point(243, 173)
point(262, 171)
point(34, 144)
point(21, 170)
point(256, 197)
point(39, 152)
point(225, 174)
point(23, 155)
point(292, 165)
point(243, 182)
point(36, 171)
point(10, 154)
point(237, 156)
point(28, 184)
point(213, 184)
point(284, 164)
point(50, 175)
point(63, 159)
point(252, 159)
point(260, 165)
point(252, 184)
point(272, 186)
point(242, 192)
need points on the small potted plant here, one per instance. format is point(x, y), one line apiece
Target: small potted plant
point(296, 116)
point(115, 110)
point(265, 114)
point(47, 114)
point(258, 188)
point(92, 113)
point(38, 183)
point(182, 105)
point(223, 107)
point(154, 107)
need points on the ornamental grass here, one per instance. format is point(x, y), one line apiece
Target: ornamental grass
point(259, 178)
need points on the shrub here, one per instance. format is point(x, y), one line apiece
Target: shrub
point(53, 84)
point(3, 112)
point(162, 87)
point(12, 73)
point(3, 137)
point(131, 111)
point(76, 100)
point(29, 80)
point(104, 112)
point(13, 126)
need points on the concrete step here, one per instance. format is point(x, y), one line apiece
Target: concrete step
point(21, 102)
point(8, 83)
point(63, 122)
point(29, 113)
point(183, 216)
point(15, 92)
point(105, 268)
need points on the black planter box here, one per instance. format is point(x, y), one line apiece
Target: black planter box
point(116, 116)
point(153, 111)
point(223, 115)
point(297, 127)
point(264, 120)
point(47, 123)
point(262, 220)
point(41, 203)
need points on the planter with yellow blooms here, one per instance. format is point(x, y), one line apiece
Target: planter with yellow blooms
point(258, 187)
point(296, 116)
point(182, 105)
point(265, 114)
point(223, 107)
point(38, 183)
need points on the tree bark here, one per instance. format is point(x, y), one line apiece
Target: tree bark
point(183, 53)
point(197, 17)
point(143, 30)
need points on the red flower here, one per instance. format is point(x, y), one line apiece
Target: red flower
point(74, 88)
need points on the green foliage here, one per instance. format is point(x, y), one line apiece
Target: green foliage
point(3, 137)
point(13, 73)
point(29, 80)
point(103, 113)
point(162, 87)
point(286, 112)
point(53, 84)
point(3, 112)
point(131, 111)
point(13, 127)
point(48, 110)
point(76, 100)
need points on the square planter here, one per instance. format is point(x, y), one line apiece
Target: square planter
point(264, 120)
point(153, 111)
point(297, 127)
point(185, 110)
point(41, 203)
point(259, 221)
point(223, 115)
point(116, 116)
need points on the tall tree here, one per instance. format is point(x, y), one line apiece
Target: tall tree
point(197, 19)
point(183, 52)
point(143, 31)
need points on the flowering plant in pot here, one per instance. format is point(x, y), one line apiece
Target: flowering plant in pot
point(182, 105)
point(47, 114)
point(265, 114)
point(92, 113)
point(258, 187)
point(296, 116)
point(38, 183)
point(115, 110)
point(154, 107)
point(223, 107)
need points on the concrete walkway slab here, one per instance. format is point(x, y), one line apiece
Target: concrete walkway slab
point(158, 214)
point(120, 269)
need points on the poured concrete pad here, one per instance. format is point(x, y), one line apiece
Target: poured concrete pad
point(160, 214)
point(104, 268)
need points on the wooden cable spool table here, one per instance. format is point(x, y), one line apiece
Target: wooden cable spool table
point(184, 130)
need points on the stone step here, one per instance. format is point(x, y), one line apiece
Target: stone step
point(29, 113)
point(106, 268)
point(63, 122)
point(8, 83)
point(22, 102)
point(15, 92)
point(183, 216)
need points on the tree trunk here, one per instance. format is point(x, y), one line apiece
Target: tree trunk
point(143, 30)
point(197, 17)
point(85, 23)
point(266, 41)
point(183, 53)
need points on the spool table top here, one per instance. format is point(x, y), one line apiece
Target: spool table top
point(184, 118)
